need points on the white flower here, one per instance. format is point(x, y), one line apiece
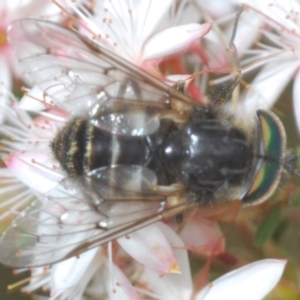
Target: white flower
point(95, 274)
point(143, 32)
point(146, 257)
point(251, 282)
point(10, 11)
point(278, 24)
point(267, 40)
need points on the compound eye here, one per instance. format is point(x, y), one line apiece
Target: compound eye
point(273, 145)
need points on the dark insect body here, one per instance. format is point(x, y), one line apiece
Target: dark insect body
point(134, 151)
point(206, 155)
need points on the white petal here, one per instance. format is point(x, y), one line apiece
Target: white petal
point(5, 83)
point(247, 33)
point(217, 8)
point(118, 285)
point(296, 99)
point(267, 86)
point(280, 12)
point(174, 39)
point(178, 77)
point(25, 166)
point(203, 236)
point(150, 247)
point(14, 196)
point(148, 14)
point(172, 286)
point(69, 272)
point(28, 101)
point(5, 74)
point(251, 282)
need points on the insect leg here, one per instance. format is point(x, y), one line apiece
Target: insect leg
point(225, 90)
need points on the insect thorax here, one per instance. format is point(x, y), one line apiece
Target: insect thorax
point(210, 156)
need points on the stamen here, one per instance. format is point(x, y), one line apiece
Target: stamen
point(110, 263)
point(41, 283)
point(33, 286)
point(21, 203)
point(18, 284)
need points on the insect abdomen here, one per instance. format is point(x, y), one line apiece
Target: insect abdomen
point(81, 147)
point(69, 146)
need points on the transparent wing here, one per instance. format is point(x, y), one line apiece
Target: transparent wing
point(77, 73)
point(125, 182)
point(123, 118)
point(63, 224)
point(80, 75)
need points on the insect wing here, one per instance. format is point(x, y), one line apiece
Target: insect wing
point(81, 76)
point(77, 73)
point(62, 224)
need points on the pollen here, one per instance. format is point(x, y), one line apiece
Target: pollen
point(174, 269)
point(3, 38)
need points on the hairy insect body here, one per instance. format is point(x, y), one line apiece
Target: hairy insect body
point(206, 155)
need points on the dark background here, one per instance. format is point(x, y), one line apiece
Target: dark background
point(6, 278)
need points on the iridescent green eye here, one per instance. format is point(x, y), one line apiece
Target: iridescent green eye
point(272, 149)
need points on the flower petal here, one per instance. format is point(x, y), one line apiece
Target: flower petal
point(296, 99)
point(31, 169)
point(150, 247)
point(118, 285)
point(172, 286)
point(177, 77)
point(174, 39)
point(148, 14)
point(69, 272)
point(203, 236)
point(29, 103)
point(267, 87)
point(251, 282)
point(14, 197)
point(217, 8)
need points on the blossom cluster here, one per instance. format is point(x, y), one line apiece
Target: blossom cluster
point(175, 41)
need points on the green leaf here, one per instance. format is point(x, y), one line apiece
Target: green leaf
point(295, 199)
point(267, 227)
